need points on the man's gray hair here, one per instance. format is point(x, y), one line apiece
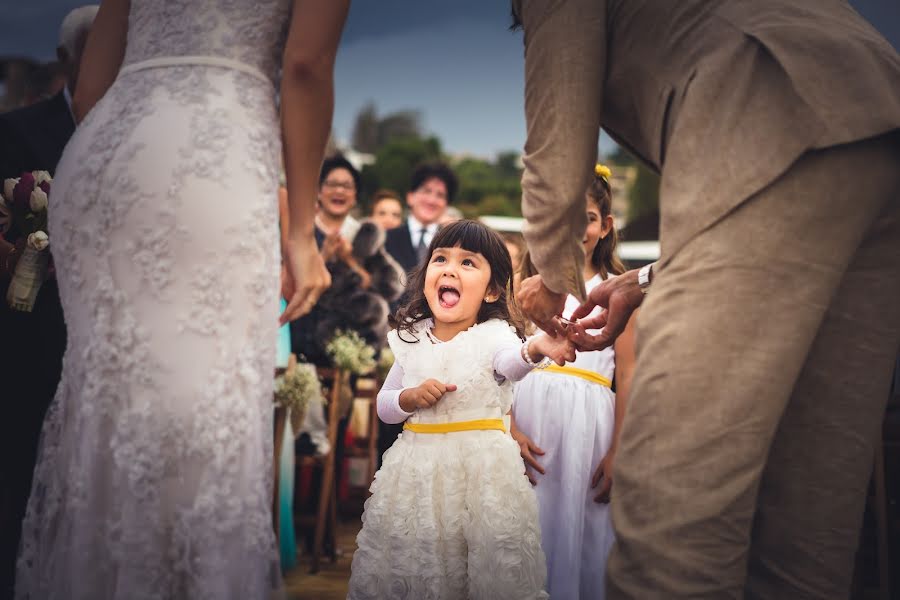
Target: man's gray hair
point(76, 24)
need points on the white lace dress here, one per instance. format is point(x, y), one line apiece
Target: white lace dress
point(452, 515)
point(154, 479)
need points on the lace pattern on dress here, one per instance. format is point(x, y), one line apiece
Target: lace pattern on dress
point(153, 480)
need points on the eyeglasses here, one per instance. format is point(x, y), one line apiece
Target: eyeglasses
point(335, 185)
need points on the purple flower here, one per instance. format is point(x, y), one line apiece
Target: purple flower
point(22, 191)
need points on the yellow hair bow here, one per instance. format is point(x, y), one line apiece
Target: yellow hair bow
point(602, 171)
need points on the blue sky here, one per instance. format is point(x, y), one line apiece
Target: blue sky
point(453, 60)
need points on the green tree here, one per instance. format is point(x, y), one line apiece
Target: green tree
point(395, 162)
point(365, 129)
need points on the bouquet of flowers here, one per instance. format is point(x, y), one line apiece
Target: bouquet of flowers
point(23, 217)
point(295, 390)
point(350, 352)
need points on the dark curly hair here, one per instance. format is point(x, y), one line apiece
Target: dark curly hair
point(474, 237)
point(339, 162)
point(435, 170)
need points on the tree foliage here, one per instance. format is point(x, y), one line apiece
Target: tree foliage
point(371, 132)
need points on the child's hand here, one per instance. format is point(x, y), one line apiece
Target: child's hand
point(425, 395)
point(559, 349)
point(603, 476)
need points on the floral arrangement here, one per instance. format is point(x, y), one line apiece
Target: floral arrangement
point(297, 388)
point(385, 362)
point(23, 218)
point(348, 351)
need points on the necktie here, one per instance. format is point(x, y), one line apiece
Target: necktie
point(422, 247)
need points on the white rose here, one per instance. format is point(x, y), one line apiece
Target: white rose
point(40, 176)
point(38, 240)
point(8, 186)
point(38, 200)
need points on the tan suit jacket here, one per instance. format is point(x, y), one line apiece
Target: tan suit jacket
point(721, 96)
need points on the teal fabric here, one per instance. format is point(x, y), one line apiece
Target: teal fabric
point(286, 540)
point(284, 341)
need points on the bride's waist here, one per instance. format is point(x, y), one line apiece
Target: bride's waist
point(161, 62)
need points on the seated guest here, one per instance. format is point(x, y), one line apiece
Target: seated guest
point(339, 183)
point(431, 189)
point(387, 210)
point(365, 279)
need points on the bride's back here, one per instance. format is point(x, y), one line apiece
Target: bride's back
point(249, 32)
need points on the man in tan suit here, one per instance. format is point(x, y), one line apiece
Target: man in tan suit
point(767, 340)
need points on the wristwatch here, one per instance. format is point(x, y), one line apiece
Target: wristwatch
point(644, 277)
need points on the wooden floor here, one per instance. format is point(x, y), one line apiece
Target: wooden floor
point(330, 583)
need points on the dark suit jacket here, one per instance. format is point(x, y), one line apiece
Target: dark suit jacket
point(400, 246)
point(721, 96)
point(32, 138)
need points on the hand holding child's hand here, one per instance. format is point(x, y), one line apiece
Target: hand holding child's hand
point(558, 349)
point(425, 395)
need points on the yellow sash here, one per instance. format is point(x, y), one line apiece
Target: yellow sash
point(480, 424)
point(582, 373)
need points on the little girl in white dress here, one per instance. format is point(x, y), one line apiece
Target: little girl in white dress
point(452, 515)
point(571, 418)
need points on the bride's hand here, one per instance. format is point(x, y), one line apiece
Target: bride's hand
point(306, 275)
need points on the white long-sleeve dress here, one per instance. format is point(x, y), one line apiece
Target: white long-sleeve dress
point(452, 515)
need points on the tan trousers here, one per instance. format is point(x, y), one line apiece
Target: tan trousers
point(765, 350)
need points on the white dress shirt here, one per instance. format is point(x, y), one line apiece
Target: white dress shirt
point(415, 231)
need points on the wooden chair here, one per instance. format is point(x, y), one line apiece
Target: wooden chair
point(325, 523)
point(370, 393)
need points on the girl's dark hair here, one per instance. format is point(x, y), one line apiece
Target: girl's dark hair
point(474, 237)
point(604, 258)
point(339, 162)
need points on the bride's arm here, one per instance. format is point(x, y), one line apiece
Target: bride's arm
point(307, 103)
point(102, 56)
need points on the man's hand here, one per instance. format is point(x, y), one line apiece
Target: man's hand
point(527, 449)
point(542, 305)
point(425, 395)
point(619, 297)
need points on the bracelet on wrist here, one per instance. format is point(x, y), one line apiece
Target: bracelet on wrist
point(544, 362)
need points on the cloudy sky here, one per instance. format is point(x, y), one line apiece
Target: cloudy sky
point(453, 60)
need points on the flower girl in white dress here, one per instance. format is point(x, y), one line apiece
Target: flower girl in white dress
point(571, 418)
point(452, 514)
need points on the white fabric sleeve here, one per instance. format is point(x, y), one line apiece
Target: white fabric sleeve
point(388, 402)
point(509, 365)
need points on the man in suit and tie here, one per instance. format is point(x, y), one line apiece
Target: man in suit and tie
point(768, 335)
point(432, 188)
point(31, 138)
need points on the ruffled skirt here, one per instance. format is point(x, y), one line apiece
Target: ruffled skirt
point(450, 516)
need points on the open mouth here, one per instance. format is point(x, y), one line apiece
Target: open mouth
point(448, 296)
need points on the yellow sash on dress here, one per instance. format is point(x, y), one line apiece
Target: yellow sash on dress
point(477, 425)
point(582, 373)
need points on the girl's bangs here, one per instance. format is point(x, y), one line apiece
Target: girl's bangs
point(468, 235)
